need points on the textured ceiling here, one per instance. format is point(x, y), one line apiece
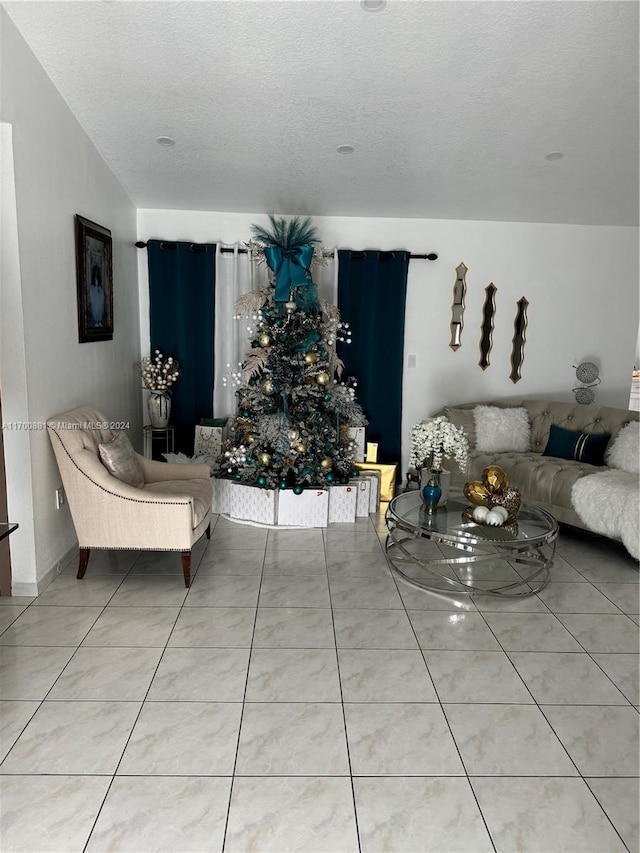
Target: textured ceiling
point(450, 106)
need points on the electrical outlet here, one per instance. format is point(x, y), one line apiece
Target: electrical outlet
point(60, 498)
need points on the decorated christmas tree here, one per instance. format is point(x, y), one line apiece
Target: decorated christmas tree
point(291, 429)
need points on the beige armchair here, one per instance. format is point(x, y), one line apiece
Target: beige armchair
point(169, 512)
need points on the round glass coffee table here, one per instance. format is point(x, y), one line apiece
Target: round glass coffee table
point(528, 545)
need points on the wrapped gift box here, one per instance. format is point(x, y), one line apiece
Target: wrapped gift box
point(220, 500)
point(357, 435)
point(388, 477)
point(376, 478)
point(309, 509)
point(342, 503)
point(251, 503)
point(363, 489)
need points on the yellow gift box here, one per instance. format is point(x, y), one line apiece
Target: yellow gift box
point(387, 478)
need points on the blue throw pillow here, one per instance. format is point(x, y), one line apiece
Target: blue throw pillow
point(581, 446)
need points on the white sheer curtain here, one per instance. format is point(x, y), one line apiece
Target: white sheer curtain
point(236, 274)
point(326, 279)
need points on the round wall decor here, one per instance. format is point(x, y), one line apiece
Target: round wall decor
point(588, 373)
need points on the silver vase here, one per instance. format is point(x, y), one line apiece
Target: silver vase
point(159, 406)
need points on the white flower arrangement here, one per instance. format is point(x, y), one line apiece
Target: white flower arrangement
point(435, 438)
point(160, 374)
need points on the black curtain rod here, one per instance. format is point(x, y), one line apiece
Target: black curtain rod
point(229, 250)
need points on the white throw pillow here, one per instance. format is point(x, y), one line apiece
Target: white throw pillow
point(499, 430)
point(624, 450)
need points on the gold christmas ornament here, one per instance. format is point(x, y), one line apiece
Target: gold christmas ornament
point(250, 438)
point(267, 387)
point(494, 478)
point(310, 357)
point(326, 463)
point(293, 434)
point(300, 447)
point(265, 458)
point(477, 493)
point(323, 378)
point(264, 340)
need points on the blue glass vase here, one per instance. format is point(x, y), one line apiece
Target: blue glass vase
point(431, 494)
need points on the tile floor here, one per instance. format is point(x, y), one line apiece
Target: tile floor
point(298, 698)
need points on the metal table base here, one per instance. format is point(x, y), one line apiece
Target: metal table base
point(532, 555)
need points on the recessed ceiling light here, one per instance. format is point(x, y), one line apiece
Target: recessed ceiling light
point(554, 155)
point(373, 5)
point(345, 149)
point(167, 141)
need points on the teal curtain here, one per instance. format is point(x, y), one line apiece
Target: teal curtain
point(181, 317)
point(372, 292)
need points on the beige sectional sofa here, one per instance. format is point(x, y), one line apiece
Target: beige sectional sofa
point(544, 481)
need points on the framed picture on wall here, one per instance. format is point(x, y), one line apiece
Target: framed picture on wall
point(94, 271)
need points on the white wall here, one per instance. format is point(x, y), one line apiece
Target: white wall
point(13, 358)
point(58, 173)
point(581, 283)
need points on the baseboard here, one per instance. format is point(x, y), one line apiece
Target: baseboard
point(24, 589)
point(32, 590)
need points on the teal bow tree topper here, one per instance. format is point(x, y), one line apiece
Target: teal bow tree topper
point(291, 267)
point(288, 251)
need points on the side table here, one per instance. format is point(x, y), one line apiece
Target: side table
point(152, 435)
point(7, 527)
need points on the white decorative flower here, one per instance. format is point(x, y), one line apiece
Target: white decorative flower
point(435, 438)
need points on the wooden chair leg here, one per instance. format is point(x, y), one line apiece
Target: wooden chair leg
point(82, 563)
point(186, 567)
point(208, 531)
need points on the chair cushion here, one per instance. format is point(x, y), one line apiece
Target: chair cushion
point(198, 490)
point(121, 461)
